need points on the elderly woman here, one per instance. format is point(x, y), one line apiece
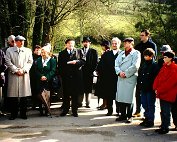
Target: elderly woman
point(45, 71)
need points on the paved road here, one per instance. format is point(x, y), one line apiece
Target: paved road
point(91, 126)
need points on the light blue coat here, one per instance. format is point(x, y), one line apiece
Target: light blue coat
point(126, 86)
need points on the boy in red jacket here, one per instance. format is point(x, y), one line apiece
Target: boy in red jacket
point(165, 86)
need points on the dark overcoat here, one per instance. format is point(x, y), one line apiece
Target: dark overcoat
point(89, 68)
point(72, 77)
point(107, 82)
point(147, 75)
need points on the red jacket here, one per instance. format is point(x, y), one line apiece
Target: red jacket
point(166, 83)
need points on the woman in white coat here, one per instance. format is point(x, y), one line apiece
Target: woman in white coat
point(126, 67)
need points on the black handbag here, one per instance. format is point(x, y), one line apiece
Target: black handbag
point(55, 83)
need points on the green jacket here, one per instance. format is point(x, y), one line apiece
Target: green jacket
point(48, 71)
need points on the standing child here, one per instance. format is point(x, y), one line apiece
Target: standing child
point(165, 85)
point(146, 79)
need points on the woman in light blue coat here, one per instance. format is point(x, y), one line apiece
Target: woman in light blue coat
point(126, 67)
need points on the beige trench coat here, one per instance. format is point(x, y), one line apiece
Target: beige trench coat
point(18, 86)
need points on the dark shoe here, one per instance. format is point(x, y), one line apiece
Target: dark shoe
point(144, 122)
point(149, 124)
point(12, 118)
point(108, 114)
point(173, 129)
point(75, 114)
point(121, 118)
point(87, 106)
point(162, 131)
point(63, 114)
point(102, 107)
point(129, 120)
point(23, 117)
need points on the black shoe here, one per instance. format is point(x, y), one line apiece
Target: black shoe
point(24, 117)
point(144, 122)
point(12, 118)
point(149, 124)
point(121, 118)
point(102, 107)
point(174, 129)
point(108, 114)
point(87, 106)
point(63, 114)
point(162, 131)
point(129, 120)
point(75, 114)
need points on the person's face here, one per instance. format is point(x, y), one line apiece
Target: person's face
point(37, 51)
point(19, 43)
point(70, 45)
point(11, 43)
point(143, 36)
point(86, 44)
point(126, 45)
point(44, 53)
point(115, 45)
point(147, 58)
point(167, 60)
point(103, 48)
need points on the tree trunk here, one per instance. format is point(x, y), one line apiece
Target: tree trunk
point(37, 30)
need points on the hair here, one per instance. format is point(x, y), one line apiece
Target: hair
point(116, 39)
point(169, 54)
point(149, 52)
point(146, 31)
point(10, 38)
point(37, 46)
point(69, 40)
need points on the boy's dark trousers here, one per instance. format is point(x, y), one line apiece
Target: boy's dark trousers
point(165, 114)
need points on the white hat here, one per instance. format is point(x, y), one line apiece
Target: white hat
point(165, 48)
point(47, 47)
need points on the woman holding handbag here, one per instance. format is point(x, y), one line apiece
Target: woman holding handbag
point(45, 71)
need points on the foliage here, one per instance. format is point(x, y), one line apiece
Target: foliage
point(159, 18)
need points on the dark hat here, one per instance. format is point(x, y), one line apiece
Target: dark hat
point(86, 39)
point(105, 43)
point(169, 54)
point(165, 48)
point(19, 38)
point(129, 39)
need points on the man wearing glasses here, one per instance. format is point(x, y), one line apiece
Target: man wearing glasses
point(145, 42)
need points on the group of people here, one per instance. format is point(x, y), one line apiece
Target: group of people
point(123, 75)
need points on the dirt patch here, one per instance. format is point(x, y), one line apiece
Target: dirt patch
point(89, 132)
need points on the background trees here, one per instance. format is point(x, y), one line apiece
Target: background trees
point(42, 21)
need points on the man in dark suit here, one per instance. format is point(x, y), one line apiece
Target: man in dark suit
point(91, 57)
point(70, 62)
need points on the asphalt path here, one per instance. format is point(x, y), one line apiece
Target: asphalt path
point(91, 126)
